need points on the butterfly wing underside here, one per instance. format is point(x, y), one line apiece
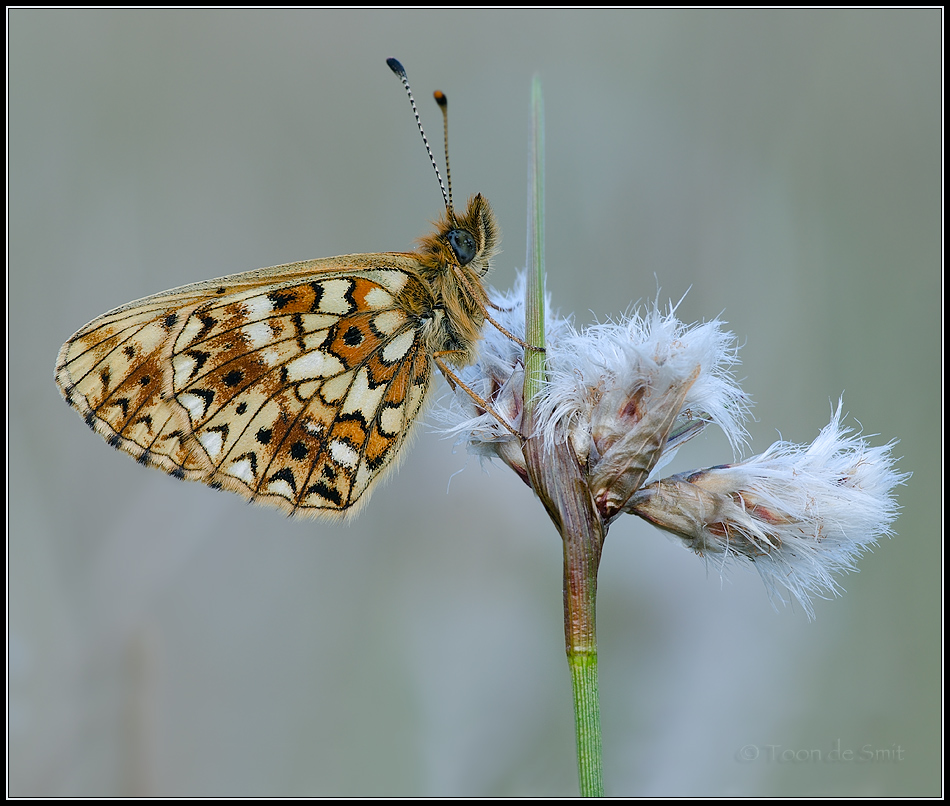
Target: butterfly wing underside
point(294, 386)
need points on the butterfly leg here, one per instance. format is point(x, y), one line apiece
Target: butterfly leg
point(454, 381)
point(483, 303)
point(523, 344)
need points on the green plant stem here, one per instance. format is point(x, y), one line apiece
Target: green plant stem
point(534, 293)
point(558, 480)
point(590, 769)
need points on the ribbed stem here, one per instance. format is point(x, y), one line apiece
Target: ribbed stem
point(557, 478)
point(587, 723)
point(534, 293)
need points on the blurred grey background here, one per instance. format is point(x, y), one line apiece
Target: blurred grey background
point(785, 166)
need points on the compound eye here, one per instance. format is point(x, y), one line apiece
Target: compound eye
point(463, 244)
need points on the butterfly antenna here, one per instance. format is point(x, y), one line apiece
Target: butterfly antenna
point(443, 103)
point(400, 71)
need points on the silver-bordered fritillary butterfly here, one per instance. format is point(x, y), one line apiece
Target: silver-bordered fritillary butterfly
point(297, 385)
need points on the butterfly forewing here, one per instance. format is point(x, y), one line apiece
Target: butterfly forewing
point(294, 386)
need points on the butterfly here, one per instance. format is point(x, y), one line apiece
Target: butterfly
point(295, 386)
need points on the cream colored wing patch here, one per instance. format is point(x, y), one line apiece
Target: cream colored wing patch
point(294, 394)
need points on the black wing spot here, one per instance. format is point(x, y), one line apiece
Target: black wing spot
point(348, 296)
point(123, 403)
point(207, 323)
point(353, 336)
point(252, 458)
point(286, 474)
point(223, 430)
point(354, 417)
point(207, 395)
point(317, 289)
point(280, 299)
point(330, 493)
point(298, 451)
point(146, 420)
point(264, 435)
point(200, 358)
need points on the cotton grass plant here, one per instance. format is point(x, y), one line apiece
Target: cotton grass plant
point(603, 409)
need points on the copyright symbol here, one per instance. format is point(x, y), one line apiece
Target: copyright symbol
point(749, 752)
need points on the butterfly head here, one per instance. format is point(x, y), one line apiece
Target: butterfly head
point(452, 262)
point(468, 241)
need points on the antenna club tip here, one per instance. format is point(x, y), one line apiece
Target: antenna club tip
point(440, 98)
point(396, 67)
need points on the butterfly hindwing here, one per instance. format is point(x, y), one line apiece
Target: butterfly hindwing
point(294, 386)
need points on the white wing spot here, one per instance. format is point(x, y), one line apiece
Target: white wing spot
point(379, 298)
point(390, 420)
point(257, 334)
point(183, 366)
point(389, 322)
point(363, 477)
point(395, 281)
point(317, 321)
point(190, 332)
point(194, 404)
point(241, 469)
point(343, 454)
point(315, 364)
point(333, 299)
point(315, 340)
point(398, 347)
point(150, 337)
point(281, 488)
point(334, 389)
point(361, 397)
point(258, 307)
point(271, 356)
point(307, 389)
point(211, 441)
point(313, 427)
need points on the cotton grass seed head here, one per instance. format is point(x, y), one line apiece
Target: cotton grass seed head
point(626, 395)
point(800, 513)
